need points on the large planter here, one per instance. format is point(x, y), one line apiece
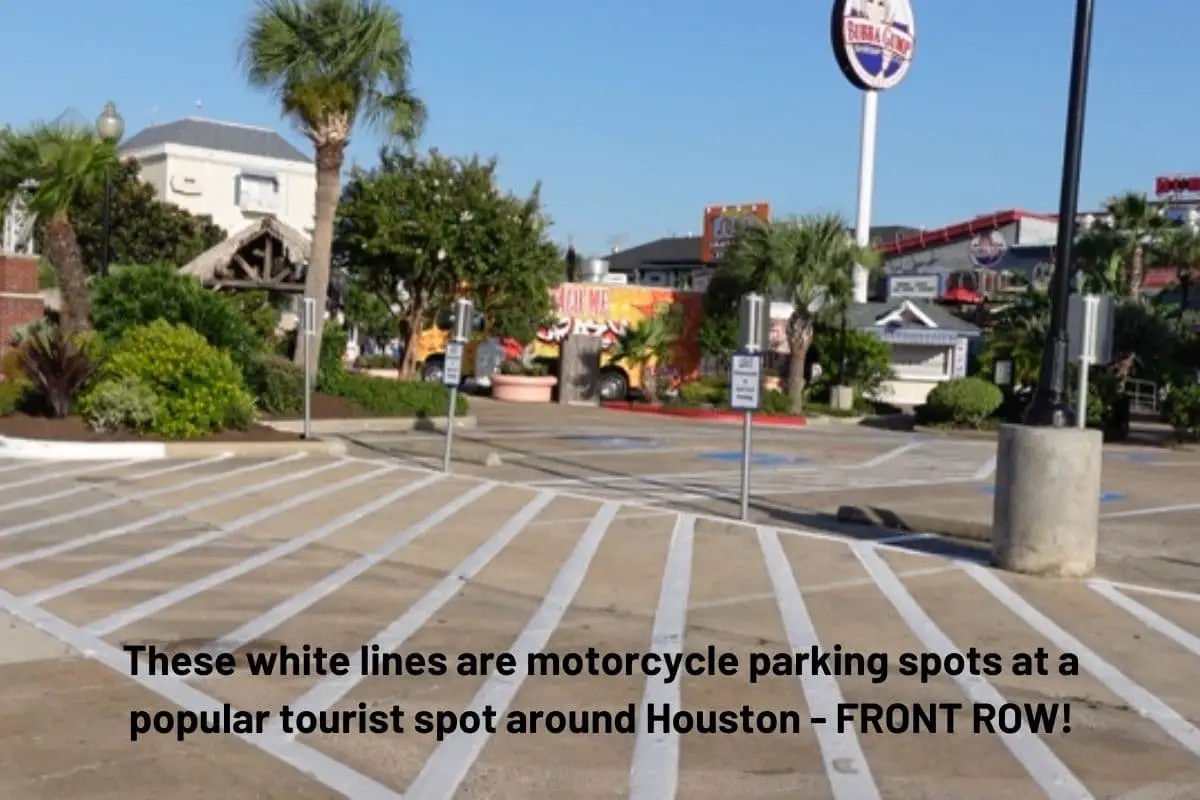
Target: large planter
point(523, 388)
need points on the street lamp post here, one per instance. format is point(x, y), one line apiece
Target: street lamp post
point(111, 127)
point(1049, 405)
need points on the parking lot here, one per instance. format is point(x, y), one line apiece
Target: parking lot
point(590, 533)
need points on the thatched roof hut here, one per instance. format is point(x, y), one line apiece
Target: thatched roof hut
point(268, 255)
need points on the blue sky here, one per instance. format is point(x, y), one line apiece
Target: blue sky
point(636, 114)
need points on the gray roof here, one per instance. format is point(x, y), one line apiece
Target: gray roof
point(865, 315)
point(213, 135)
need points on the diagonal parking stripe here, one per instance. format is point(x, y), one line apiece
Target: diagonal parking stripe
point(241, 523)
point(300, 601)
point(87, 511)
point(159, 471)
point(167, 599)
point(169, 514)
point(50, 476)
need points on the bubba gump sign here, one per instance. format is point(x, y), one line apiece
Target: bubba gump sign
point(873, 41)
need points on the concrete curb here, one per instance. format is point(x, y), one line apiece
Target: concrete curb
point(43, 450)
point(331, 427)
point(916, 523)
point(957, 433)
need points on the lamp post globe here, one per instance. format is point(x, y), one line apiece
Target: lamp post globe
point(110, 125)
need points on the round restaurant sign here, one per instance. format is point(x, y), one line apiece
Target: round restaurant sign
point(987, 249)
point(873, 41)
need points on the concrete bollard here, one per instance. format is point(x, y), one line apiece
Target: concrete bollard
point(1046, 517)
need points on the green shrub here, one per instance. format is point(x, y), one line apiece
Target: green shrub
point(868, 361)
point(198, 387)
point(1183, 412)
point(259, 313)
point(134, 296)
point(277, 383)
point(962, 401)
point(13, 394)
point(697, 393)
point(377, 361)
point(125, 404)
point(329, 360)
point(776, 402)
point(391, 398)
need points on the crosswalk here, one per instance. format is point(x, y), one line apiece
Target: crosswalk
point(361, 557)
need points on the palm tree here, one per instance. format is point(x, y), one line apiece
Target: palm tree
point(1180, 248)
point(1136, 221)
point(648, 345)
point(332, 64)
point(53, 167)
point(810, 259)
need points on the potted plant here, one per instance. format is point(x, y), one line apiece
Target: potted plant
point(523, 380)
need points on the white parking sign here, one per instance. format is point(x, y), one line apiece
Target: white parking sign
point(452, 364)
point(745, 382)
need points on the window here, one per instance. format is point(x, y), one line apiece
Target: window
point(917, 362)
point(258, 192)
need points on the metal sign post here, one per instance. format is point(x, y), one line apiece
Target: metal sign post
point(308, 332)
point(745, 379)
point(452, 368)
point(1089, 337)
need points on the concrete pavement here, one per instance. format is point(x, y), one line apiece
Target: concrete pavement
point(232, 555)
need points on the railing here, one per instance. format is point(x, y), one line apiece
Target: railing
point(1143, 395)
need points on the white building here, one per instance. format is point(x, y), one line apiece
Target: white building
point(236, 174)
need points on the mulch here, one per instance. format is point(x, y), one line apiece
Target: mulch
point(329, 406)
point(74, 429)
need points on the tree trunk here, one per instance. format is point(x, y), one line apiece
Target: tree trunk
point(1185, 292)
point(1136, 272)
point(62, 248)
point(649, 383)
point(795, 382)
point(316, 281)
point(410, 334)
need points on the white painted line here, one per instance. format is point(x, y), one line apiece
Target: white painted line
point(22, 464)
point(654, 774)
point(846, 765)
point(575, 520)
point(146, 608)
point(832, 586)
point(54, 476)
point(1147, 512)
point(1051, 774)
point(172, 513)
point(96, 508)
point(300, 601)
point(88, 487)
point(890, 455)
point(182, 546)
point(1174, 594)
point(986, 471)
point(449, 764)
point(1146, 704)
point(308, 761)
point(332, 689)
point(1154, 621)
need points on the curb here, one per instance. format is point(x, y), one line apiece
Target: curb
point(43, 450)
point(331, 427)
point(957, 433)
point(760, 419)
point(968, 530)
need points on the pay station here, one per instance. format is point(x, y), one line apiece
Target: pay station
point(746, 378)
point(452, 369)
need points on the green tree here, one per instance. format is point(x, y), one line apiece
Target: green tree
point(810, 261)
point(439, 227)
point(332, 64)
point(143, 229)
point(1136, 221)
point(53, 167)
point(1180, 248)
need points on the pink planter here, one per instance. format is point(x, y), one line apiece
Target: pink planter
point(523, 388)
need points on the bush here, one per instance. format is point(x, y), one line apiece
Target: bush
point(868, 361)
point(392, 398)
point(776, 402)
point(329, 361)
point(197, 386)
point(962, 401)
point(1183, 412)
point(697, 393)
point(134, 296)
point(125, 404)
point(277, 383)
point(13, 393)
point(59, 368)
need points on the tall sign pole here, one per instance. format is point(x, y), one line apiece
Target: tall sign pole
point(873, 41)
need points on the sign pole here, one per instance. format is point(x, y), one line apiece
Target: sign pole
point(866, 187)
point(747, 445)
point(308, 331)
point(452, 368)
point(745, 379)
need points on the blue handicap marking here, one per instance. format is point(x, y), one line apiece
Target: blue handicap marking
point(617, 442)
point(1141, 458)
point(756, 459)
point(1105, 497)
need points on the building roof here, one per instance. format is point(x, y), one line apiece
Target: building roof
point(865, 315)
point(297, 248)
point(684, 251)
point(213, 135)
point(988, 222)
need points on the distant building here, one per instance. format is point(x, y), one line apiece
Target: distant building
point(237, 174)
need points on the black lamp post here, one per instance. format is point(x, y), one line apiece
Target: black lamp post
point(111, 127)
point(1049, 406)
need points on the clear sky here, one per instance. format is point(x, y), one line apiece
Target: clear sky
point(636, 114)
